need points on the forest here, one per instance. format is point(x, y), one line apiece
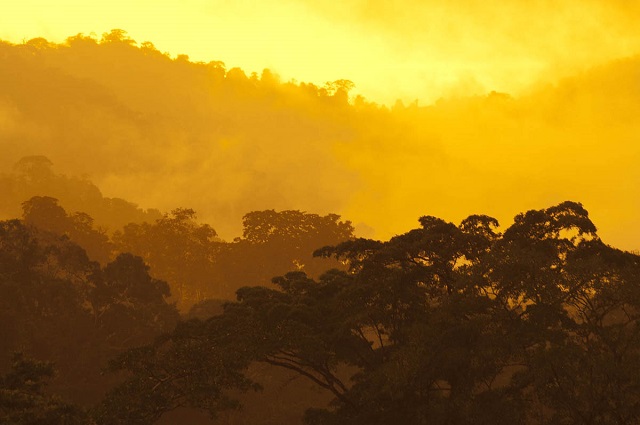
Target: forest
point(238, 290)
point(166, 132)
point(299, 320)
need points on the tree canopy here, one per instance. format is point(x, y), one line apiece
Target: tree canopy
point(445, 324)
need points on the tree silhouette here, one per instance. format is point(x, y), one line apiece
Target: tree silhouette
point(276, 242)
point(57, 305)
point(45, 213)
point(445, 324)
point(34, 168)
point(178, 250)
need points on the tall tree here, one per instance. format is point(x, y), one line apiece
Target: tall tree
point(179, 251)
point(276, 242)
point(45, 213)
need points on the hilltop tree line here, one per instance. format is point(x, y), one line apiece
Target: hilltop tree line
point(189, 255)
point(33, 175)
point(445, 324)
point(150, 118)
point(113, 314)
point(168, 131)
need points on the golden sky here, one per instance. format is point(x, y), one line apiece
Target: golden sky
point(408, 49)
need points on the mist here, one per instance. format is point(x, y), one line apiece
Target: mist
point(177, 235)
point(167, 132)
point(468, 47)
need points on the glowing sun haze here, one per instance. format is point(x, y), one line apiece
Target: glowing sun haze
point(407, 49)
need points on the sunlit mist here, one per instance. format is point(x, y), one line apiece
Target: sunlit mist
point(169, 133)
point(305, 212)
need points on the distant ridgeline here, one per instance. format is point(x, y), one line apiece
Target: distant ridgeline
point(190, 256)
point(34, 176)
point(166, 131)
point(447, 324)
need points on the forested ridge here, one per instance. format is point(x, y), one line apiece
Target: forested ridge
point(444, 324)
point(239, 291)
point(165, 131)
